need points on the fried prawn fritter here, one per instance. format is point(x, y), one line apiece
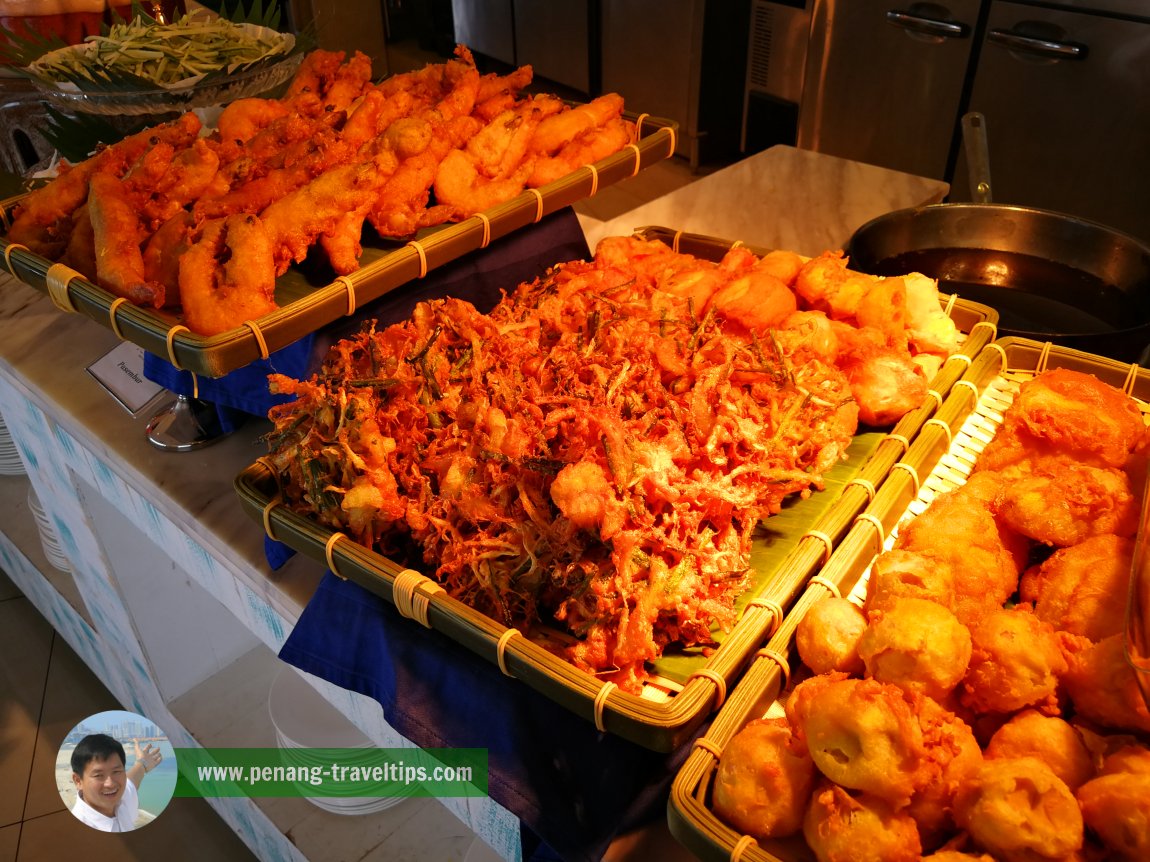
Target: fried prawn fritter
point(298, 219)
point(162, 253)
point(865, 735)
point(1020, 811)
point(227, 275)
point(43, 216)
point(1102, 684)
point(1116, 808)
point(1082, 589)
point(917, 645)
point(1067, 504)
point(961, 531)
point(841, 827)
point(1016, 662)
point(899, 574)
point(117, 235)
point(1049, 738)
point(764, 780)
point(827, 637)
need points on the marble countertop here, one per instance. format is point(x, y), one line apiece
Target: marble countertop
point(781, 198)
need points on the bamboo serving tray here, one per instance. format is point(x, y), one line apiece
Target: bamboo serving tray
point(789, 549)
point(939, 459)
point(309, 300)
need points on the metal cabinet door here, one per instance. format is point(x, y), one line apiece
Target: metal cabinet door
point(554, 39)
point(884, 81)
point(1068, 125)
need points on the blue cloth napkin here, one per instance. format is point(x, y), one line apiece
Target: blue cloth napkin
point(572, 786)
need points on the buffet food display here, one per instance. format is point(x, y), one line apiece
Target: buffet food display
point(206, 248)
point(586, 467)
point(962, 691)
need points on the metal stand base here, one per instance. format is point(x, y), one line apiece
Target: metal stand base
point(184, 425)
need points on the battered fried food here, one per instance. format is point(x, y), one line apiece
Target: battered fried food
point(917, 645)
point(1082, 589)
point(1102, 686)
point(1020, 811)
point(952, 759)
point(841, 827)
point(117, 235)
point(864, 735)
point(827, 637)
point(1016, 661)
point(1116, 808)
point(764, 780)
point(1072, 414)
point(900, 573)
point(961, 532)
point(756, 302)
point(227, 274)
point(1048, 738)
point(1066, 504)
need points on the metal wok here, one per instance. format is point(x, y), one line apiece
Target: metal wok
point(1052, 277)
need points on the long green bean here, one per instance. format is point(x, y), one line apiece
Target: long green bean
point(164, 53)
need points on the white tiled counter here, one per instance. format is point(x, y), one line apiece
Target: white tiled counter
point(169, 598)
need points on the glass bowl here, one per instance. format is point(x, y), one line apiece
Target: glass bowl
point(201, 94)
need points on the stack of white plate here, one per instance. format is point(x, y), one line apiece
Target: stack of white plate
point(10, 462)
point(304, 720)
point(49, 538)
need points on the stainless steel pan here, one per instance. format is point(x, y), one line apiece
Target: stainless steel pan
point(1051, 276)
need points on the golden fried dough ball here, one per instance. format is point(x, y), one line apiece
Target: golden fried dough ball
point(908, 574)
point(840, 827)
point(961, 531)
point(798, 703)
point(1116, 808)
point(828, 634)
point(918, 645)
point(764, 780)
point(1048, 738)
point(1016, 662)
point(1102, 684)
point(1067, 505)
point(756, 301)
point(1082, 589)
point(1132, 758)
point(957, 856)
point(952, 758)
point(783, 265)
point(1020, 811)
point(865, 735)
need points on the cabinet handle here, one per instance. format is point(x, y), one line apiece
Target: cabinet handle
point(929, 26)
point(1041, 47)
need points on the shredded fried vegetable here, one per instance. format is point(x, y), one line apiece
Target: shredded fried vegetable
point(591, 454)
point(165, 53)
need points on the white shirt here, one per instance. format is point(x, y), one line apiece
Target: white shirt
point(127, 810)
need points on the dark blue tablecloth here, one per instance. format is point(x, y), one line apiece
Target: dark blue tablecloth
point(571, 786)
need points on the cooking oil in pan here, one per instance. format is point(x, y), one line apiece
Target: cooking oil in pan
point(1035, 298)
